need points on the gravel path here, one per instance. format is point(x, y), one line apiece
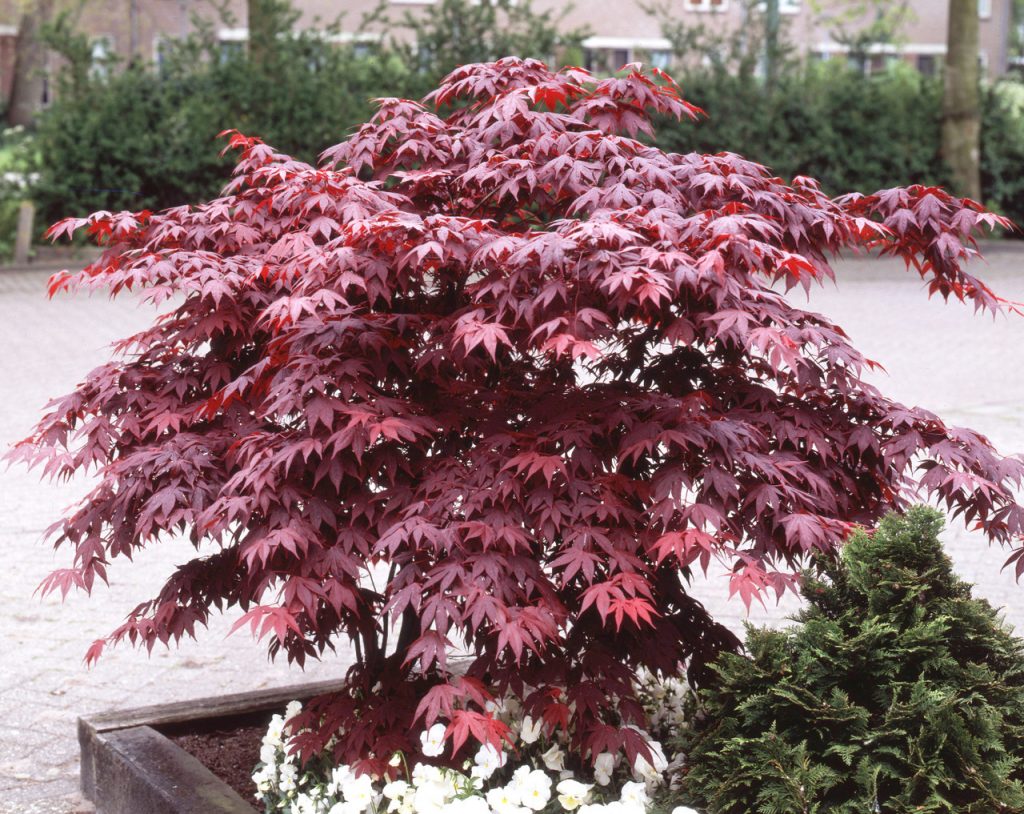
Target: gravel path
point(967, 368)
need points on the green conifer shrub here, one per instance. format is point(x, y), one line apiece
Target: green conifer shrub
point(895, 692)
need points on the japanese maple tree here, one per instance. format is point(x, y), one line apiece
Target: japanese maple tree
point(530, 371)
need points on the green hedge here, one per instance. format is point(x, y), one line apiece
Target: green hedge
point(854, 133)
point(1002, 150)
point(849, 131)
point(145, 138)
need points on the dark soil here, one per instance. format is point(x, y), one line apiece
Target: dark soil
point(231, 753)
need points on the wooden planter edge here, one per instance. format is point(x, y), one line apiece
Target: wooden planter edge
point(128, 767)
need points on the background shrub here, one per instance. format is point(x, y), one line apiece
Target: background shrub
point(1002, 149)
point(896, 692)
point(849, 131)
point(19, 164)
point(145, 138)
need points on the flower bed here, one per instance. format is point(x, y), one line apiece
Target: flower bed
point(532, 771)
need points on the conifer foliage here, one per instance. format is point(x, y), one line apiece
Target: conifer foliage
point(897, 692)
point(530, 369)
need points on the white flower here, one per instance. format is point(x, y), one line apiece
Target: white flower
point(344, 808)
point(264, 779)
point(633, 795)
point(603, 768)
point(468, 805)
point(487, 761)
point(340, 775)
point(359, 790)
point(684, 810)
point(572, 793)
point(535, 789)
point(268, 754)
point(554, 758)
point(395, 789)
point(433, 740)
point(289, 775)
point(650, 770)
point(396, 760)
point(293, 709)
point(529, 730)
point(429, 798)
point(423, 773)
point(304, 804)
point(505, 800)
point(275, 730)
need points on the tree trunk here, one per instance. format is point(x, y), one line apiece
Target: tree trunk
point(772, 23)
point(267, 19)
point(29, 65)
point(961, 108)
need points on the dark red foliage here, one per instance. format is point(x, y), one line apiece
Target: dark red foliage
point(529, 369)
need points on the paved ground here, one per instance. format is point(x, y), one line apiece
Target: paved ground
point(967, 368)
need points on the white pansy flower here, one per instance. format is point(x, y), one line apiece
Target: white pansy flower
point(468, 805)
point(603, 768)
point(684, 810)
point(430, 798)
point(423, 773)
point(572, 794)
point(304, 804)
point(487, 761)
point(293, 709)
point(275, 730)
point(529, 730)
point(264, 779)
point(505, 800)
point(650, 769)
point(554, 758)
point(395, 789)
point(358, 790)
point(433, 740)
point(535, 790)
point(268, 754)
point(634, 794)
point(289, 776)
point(344, 808)
point(340, 775)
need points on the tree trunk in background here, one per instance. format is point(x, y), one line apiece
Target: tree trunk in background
point(267, 18)
point(961, 107)
point(772, 23)
point(29, 65)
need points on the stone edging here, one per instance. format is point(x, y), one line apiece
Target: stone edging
point(128, 767)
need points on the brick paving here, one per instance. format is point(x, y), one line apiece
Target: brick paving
point(967, 368)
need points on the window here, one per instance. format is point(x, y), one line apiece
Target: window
point(662, 60)
point(620, 57)
point(785, 7)
point(984, 9)
point(705, 5)
point(100, 56)
point(232, 43)
point(926, 64)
